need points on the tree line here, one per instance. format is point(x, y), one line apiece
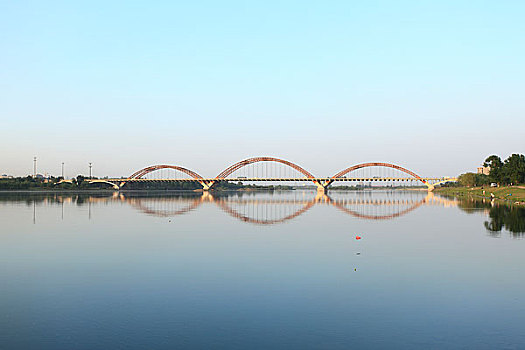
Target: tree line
point(41, 183)
point(81, 183)
point(508, 172)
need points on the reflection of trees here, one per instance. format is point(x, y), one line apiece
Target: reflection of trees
point(30, 198)
point(472, 205)
point(511, 218)
point(502, 216)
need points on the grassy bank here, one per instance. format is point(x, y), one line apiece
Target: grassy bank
point(508, 193)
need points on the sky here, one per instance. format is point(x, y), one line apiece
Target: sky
point(435, 86)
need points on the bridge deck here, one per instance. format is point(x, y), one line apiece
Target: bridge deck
point(253, 179)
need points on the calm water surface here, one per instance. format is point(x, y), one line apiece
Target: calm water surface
point(260, 271)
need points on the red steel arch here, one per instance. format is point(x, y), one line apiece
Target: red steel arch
point(386, 165)
point(142, 172)
point(228, 171)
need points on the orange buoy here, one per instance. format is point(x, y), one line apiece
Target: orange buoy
point(357, 237)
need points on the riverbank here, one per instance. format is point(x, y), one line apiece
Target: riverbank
point(513, 194)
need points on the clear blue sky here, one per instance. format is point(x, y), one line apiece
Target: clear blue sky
point(433, 85)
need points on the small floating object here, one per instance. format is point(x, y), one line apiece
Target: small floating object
point(357, 253)
point(358, 237)
point(355, 269)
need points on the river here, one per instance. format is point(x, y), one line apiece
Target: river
point(260, 270)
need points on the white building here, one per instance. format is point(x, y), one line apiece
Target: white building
point(485, 170)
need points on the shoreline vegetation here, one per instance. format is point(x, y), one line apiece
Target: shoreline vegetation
point(511, 194)
point(497, 179)
point(495, 171)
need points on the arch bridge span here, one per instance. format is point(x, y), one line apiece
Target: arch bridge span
point(342, 174)
point(322, 183)
point(231, 169)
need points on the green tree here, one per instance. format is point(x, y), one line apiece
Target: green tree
point(467, 179)
point(80, 179)
point(482, 179)
point(513, 170)
point(496, 165)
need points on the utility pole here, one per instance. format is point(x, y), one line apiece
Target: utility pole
point(63, 178)
point(34, 167)
point(90, 166)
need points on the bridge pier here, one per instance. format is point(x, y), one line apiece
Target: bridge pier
point(322, 197)
point(206, 186)
point(322, 188)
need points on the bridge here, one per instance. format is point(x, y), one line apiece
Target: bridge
point(270, 169)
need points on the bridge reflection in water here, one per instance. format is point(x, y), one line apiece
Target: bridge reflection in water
point(267, 209)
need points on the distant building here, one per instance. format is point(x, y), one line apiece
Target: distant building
point(485, 170)
point(5, 176)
